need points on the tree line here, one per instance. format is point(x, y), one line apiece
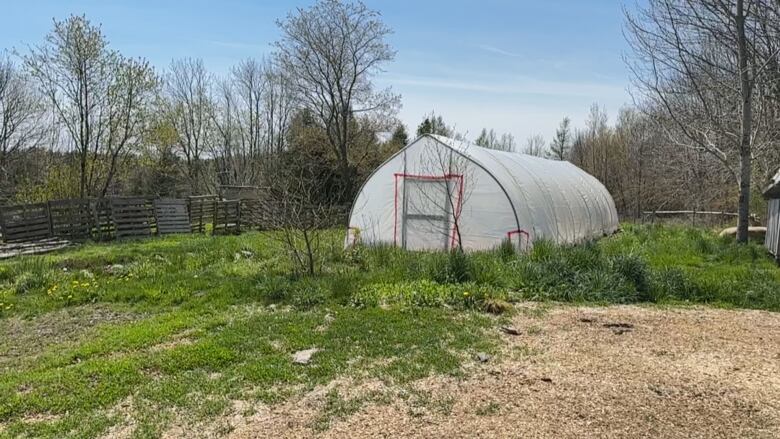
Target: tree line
point(80, 119)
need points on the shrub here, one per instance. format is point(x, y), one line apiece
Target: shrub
point(455, 268)
point(308, 293)
point(343, 286)
point(273, 289)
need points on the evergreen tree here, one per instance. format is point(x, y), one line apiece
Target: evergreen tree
point(561, 144)
point(434, 125)
point(400, 136)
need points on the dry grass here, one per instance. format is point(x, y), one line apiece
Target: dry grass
point(669, 373)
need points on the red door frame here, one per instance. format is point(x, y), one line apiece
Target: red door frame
point(458, 205)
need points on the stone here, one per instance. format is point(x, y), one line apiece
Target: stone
point(304, 356)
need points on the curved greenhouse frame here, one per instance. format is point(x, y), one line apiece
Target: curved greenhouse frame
point(438, 193)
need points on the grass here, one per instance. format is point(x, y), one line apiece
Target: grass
point(171, 330)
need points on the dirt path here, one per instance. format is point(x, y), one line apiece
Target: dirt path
point(669, 373)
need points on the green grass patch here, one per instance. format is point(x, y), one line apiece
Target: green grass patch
point(186, 324)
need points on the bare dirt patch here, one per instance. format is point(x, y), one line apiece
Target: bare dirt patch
point(582, 372)
point(24, 338)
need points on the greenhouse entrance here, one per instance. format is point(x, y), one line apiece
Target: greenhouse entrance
point(428, 206)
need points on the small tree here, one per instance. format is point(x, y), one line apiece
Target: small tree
point(434, 124)
point(400, 136)
point(187, 106)
point(436, 201)
point(489, 139)
point(561, 144)
point(331, 51)
point(20, 113)
point(535, 146)
point(99, 96)
point(296, 206)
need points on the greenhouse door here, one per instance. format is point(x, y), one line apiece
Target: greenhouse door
point(427, 212)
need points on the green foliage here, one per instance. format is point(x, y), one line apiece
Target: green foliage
point(455, 268)
point(507, 250)
point(199, 329)
point(424, 293)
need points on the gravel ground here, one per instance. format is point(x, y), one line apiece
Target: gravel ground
point(615, 372)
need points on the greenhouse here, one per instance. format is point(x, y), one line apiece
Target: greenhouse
point(440, 193)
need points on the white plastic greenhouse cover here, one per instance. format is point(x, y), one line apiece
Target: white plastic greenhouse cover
point(437, 192)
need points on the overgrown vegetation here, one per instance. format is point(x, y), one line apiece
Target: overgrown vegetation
point(185, 325)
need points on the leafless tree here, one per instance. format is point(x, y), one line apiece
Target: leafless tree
point(331, 51)
point(225, 148)
point(280, 103)
point(294, 205)
point(433, 201)
point(99, 96)
point(188, 107)
point(489, 139)
point(20, 111)
point(535, 146)
point(704, 62)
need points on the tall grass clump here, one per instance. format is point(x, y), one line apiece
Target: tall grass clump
point(454, 268)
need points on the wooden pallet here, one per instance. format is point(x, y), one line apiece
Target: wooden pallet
point(201, 209)
point(38, 246)
point(71, 219)
point(25, 222)
point(103, 222)
point(227, 217)
point(251, 214)
point(171, 216)
point(132, 217)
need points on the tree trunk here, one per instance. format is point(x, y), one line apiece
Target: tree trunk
point(746, 127)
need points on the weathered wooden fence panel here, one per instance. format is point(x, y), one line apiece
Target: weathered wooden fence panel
point(71, 219)
point(227, 217)
point(171, 216)
point(133, 217)
point(105, 219)
point(25, 222)
point(251, 214)
point(201, 210)
point(104, 229)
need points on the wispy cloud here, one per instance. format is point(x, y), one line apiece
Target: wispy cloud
point(518, 85)
point(498, 51)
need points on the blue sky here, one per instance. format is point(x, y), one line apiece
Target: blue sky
point(516, 66)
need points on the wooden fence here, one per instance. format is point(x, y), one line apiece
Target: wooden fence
point(694, 217)
point(26, 222)
point(171, 216)
point(126, 217)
